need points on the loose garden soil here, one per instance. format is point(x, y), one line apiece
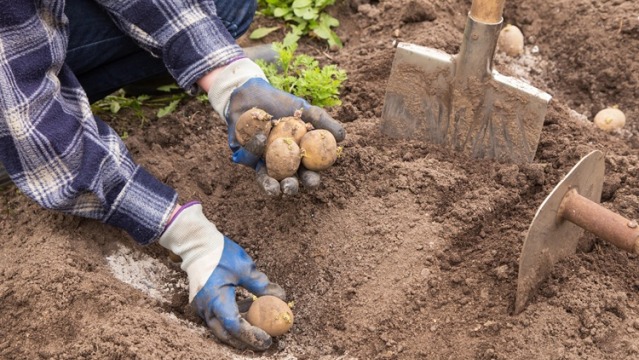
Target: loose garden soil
point(407, 251)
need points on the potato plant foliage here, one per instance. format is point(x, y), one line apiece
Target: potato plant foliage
point(165, 105)
point(302, 76)
point(304, 17)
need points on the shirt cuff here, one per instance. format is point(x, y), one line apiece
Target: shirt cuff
point(195, 51)
point(143, 207)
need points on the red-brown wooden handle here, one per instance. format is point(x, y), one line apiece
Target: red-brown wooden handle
point(487, 11)
point(593, 217)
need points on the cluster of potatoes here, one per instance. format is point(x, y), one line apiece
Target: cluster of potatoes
point(290, 142)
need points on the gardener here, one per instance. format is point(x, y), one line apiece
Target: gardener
point(56, 57)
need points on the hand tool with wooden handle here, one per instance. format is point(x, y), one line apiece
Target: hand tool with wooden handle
point(459, 100)
point(572, 207)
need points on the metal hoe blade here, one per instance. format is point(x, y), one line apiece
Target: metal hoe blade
point(461, 102)
point(551, 238)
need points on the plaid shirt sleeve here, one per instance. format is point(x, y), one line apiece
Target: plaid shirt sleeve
point(55, 150)
point(187, 34)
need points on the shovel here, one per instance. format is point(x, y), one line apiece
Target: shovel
point(572, 207)
point(459, 101)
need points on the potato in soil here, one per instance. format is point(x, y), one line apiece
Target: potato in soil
point(610, 119)
point(290, 126)
point(282, 158)
point(511, 40)
point(270, 314)
point(251, 122)
point(319, 150)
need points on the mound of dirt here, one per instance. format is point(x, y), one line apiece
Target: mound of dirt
point(407, 251)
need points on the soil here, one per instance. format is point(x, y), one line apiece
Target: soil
point(406, 251)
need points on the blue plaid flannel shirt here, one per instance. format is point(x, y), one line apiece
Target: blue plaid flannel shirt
point(55, 150)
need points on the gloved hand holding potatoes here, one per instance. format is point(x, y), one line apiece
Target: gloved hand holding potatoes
point(216, 266)
point(241, 90)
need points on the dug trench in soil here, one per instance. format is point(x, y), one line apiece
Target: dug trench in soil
point(406, 251)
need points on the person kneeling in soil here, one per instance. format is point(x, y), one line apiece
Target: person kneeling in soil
point(58, 56)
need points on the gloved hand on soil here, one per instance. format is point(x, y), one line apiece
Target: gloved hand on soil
point(242, 85)
point(215, 265)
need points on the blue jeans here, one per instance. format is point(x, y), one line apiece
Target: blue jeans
point(104, 59)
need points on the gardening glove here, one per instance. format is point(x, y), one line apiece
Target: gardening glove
point(215, 265)
point(241, 86)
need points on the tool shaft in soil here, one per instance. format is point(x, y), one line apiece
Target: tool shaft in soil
point(600, 221)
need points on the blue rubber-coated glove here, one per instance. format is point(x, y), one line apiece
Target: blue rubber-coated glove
point(241, 86)
point(216, 266)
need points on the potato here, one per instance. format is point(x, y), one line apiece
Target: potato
point(282, 158)
point(291, 126)
point(270, 314)
point(252, 122)
point(319, 150)
point(610, 119)
point(511, 41)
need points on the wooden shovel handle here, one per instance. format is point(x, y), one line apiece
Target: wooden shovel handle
point(487, 11)
point(593, 217)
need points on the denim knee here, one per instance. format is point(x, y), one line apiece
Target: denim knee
point(236, 15)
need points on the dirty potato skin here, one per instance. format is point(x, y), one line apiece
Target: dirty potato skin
point(290, 126)
point(270, 314)
point(282, 158)
point(319, 150)
point(511, 40)
point(252, 122)
point(610, 119)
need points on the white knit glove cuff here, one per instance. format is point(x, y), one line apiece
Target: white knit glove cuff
point(231, 77)
point(198, 242)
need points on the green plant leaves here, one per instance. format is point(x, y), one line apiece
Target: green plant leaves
point(290, 39)
point(306, 13)
point(303, 17)
point(323, 3)
point(167, 88)
point(323, 30)
point(262, 32)
point(298, 4)
point(166, 104)
point(301, 75)
point(114, 107)
point(281, 11)
point(169, 109)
